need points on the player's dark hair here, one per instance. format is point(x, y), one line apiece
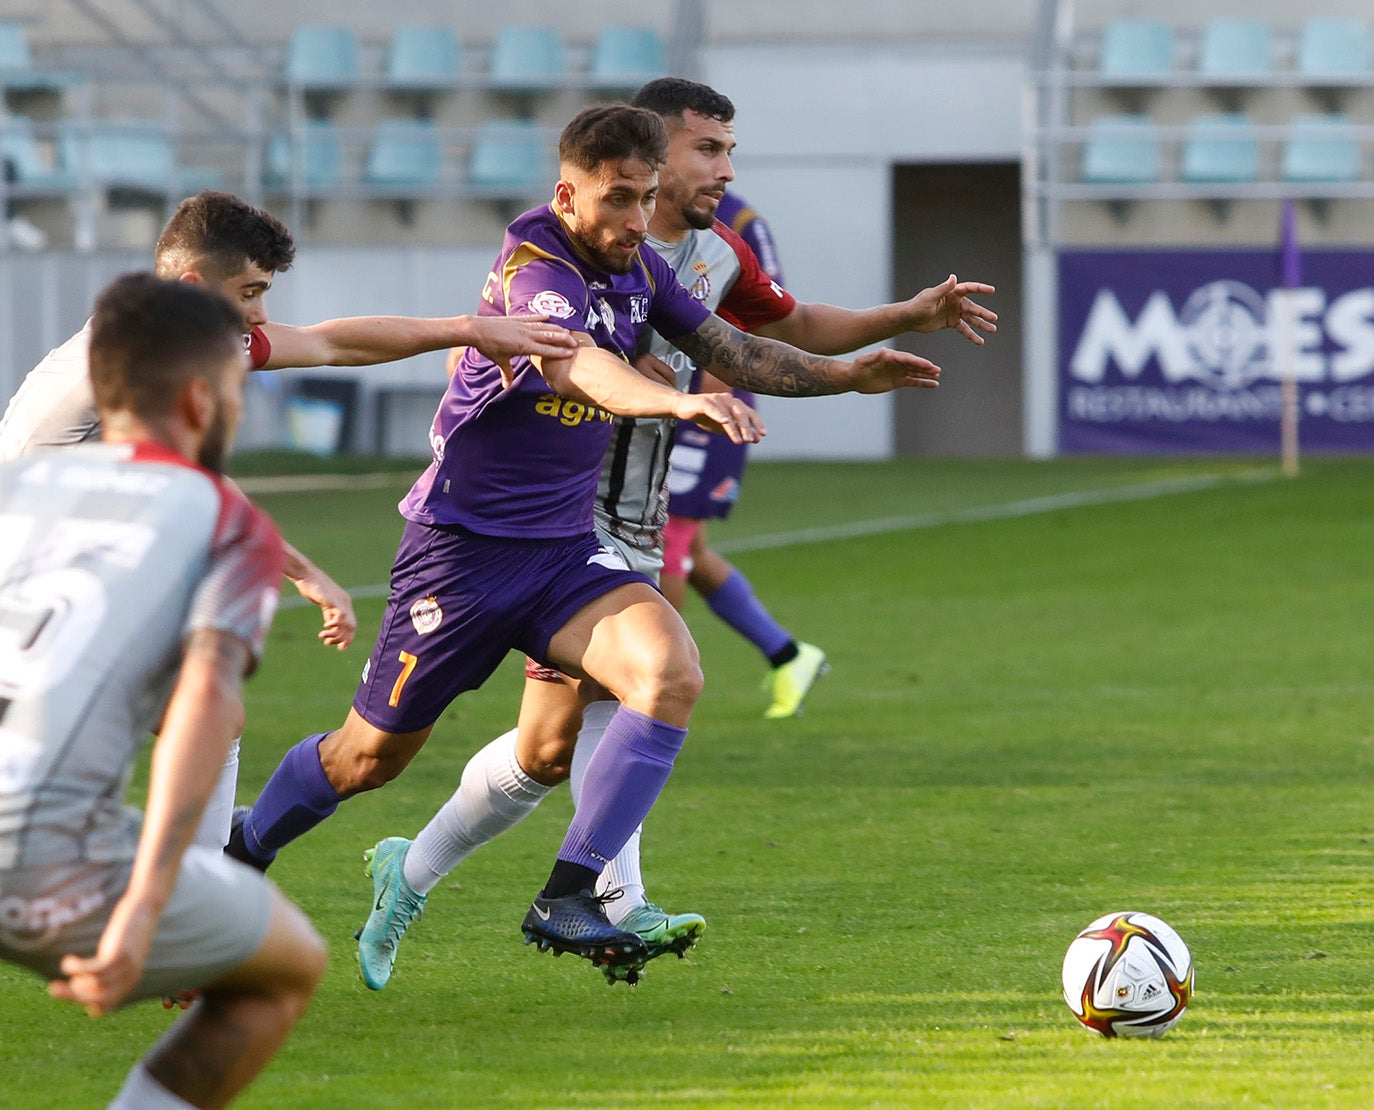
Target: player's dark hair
point(219, 235)
point(671, 97)
point(612, 133)
point(150, 336)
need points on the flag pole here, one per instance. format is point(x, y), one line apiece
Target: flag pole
point(1288, 381)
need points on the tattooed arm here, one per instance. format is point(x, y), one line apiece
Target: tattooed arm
point(768, 366)
point(205, 713)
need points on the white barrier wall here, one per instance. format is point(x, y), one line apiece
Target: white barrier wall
point(819, 129)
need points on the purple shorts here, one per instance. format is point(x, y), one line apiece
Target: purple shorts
point(460, 601)
point(703, 483)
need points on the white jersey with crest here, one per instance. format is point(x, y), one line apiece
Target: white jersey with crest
point(54, 405)
point(110, 555)
point(721, 271)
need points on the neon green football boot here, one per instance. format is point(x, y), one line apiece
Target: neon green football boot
point(395, 905)
point(790, 683)
point(661, 931)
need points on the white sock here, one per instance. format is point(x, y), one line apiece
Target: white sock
point(142, 1092)
point(621, 873)
point(493, 795)
point(214, 822)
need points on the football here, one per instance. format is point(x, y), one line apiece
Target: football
point(1128, 975)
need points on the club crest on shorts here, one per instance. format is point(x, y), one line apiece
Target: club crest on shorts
point(426, 615)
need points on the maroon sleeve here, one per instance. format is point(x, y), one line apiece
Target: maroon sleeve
point(239, 591)
point(259, 348)
point(755, 299)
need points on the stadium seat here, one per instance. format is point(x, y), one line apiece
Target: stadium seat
point(405, 154)
point(623, 58)
point(1239, 49)
point(509, 159)
point(1321, 149)
point(1330, 50)
point(1135, 50)
point(316, 158)
point(322, 58)
point(1122, 149)
point(527, 59)
point(423, 59)
point(1220, 148)
point(33, 175)
point(17, 70)
point(136, 155)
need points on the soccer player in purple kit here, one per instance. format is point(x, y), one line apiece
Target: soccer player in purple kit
point(561, 724)
point(499, 550)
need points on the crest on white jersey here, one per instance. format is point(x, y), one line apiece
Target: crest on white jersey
point(609, 558)
point(426, 615)
point(549, 303)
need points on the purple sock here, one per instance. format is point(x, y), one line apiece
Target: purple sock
point(736, 605)
point(624, 778)
point(296, 798)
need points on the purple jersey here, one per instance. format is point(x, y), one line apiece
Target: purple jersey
point(523, 462)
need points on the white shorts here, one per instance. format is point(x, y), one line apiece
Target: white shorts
point(648, 562)
point(216, 918)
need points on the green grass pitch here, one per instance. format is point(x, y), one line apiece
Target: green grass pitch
point(1160, 703)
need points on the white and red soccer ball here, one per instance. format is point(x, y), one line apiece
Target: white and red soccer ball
point(1128, 975)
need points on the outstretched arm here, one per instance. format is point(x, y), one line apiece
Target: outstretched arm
point(829, 330)
point(766, 366)
point(367, 340)
point(205, 713)
point(597, 377)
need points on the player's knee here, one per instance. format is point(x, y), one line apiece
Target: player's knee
point(546, 759)
point(670, 686)
point(308, 964)
point(355, 763)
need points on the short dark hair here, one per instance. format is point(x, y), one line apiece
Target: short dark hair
point(674, 96)
point(612, 133)
point(150, 336)
point(222, 234)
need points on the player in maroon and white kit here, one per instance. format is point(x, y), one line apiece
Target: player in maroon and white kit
point(704, 484)
point(136, 589)
point(226, 244)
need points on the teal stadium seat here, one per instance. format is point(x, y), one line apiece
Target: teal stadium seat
point(1321, 149)
point(33, 175)
point(134, 155)
point(1331, 50)
point(316, 156)
point(1240, 49)
point(509, 159)
point(623, 58)
point(1136, 50)
point(17, 71)
point(424, 59)
point(527, 59)
point(1122, 150)
point(1220, 149)
point(322, 59)
point(405, 155)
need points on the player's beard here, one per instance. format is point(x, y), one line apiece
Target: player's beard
point(214, 448)
point(600, 255)
point(702, 216)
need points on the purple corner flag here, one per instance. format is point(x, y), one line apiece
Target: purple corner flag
point(1290, 258)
